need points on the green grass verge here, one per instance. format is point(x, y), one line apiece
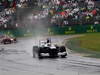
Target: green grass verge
point(88, 44)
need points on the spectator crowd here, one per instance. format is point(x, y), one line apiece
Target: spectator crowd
point(8, 9)
point(72, 12)
point(60, 12)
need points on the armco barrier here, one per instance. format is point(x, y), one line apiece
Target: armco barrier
point(20, 32)
point(53, 30)
point(80, 29)
point(14, 32)
point(97, 28)
point(74, 29)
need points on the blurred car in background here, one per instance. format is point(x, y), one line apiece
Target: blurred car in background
point(5, 39)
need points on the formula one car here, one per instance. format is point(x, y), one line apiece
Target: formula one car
point(47, 48)
point(5, 39)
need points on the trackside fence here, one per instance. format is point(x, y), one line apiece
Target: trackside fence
point(57, 30)
point(74, 29)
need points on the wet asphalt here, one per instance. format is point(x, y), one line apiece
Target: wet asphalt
point(16, 59)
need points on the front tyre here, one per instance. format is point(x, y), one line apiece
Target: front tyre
point(39, 55)
point(64, 56)
point(36, 52)
point(63, 52)
point(35, 49)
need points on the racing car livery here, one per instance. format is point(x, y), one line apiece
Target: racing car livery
point(52, 50)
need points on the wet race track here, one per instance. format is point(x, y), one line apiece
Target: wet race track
point(16, 59)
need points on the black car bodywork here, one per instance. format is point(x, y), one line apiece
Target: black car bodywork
point(50, 49)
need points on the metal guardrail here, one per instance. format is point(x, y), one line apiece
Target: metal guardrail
point(53, 30)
